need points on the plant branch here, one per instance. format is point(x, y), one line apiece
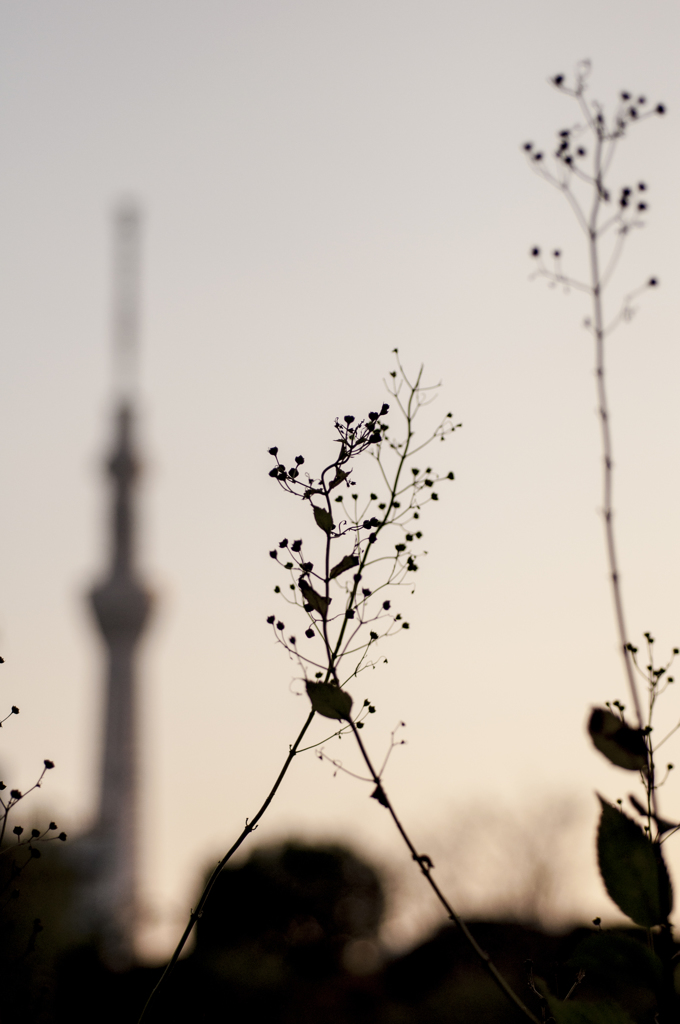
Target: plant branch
point(426, 866)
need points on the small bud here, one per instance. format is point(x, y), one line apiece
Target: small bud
point(299, 459)
point(15, 794)
point(274, 451)
point(53, 826)
point(535, 251)
point(652, 282)
point(349, 419)
point(309, 633)
point(283, 543)
point(48, 764)
point(17, 830)
point(35, 832)
point(386, 605)
point(62, 836)
point(558, 79)
point(280, 625)
point(35, 853)
point(385, 409)
point(15, 709)
point(273, 554)
point(296, 545)
point(271, 619)
point(373, 636)
point(660, 108)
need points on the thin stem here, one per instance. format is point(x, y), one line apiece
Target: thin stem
point(249, 827)
point(425, 865)
point(607, 456)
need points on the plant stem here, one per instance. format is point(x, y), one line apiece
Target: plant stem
point(603, 411)
point(425, 866)
point(249, 827)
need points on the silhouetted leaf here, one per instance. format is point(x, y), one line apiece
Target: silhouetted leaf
point(323, 519)
point(339, 477)
point(329, 700)
point(616, 961)
point(578, 1012)
point(622, 745)
point(379, 795)
point(348, 562)
point(632, 868)
point(315, 601)
point(661, 823)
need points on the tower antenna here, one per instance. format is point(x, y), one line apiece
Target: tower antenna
point(126, 298)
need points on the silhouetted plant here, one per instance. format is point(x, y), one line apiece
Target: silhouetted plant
point(23, 838)
point(364, 539)
point(630, 857)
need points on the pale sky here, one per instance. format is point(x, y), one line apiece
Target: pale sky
point(323, 182)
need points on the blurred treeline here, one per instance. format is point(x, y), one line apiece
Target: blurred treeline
point(293, 935)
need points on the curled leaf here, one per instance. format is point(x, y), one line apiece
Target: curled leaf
point(632, 868)
point(339, 477)
point(317, 602)
point(329, 700)
point(348, 562)
point(379, 795)
point(323, 519)
point(619, 743)
point(661, 823)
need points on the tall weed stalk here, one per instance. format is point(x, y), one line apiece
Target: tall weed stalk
point(580, 166)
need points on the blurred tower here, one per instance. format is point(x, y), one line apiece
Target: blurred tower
point(121, 606)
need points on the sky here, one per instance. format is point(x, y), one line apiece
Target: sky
point(320, 184)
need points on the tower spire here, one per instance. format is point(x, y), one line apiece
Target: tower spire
point(121, 605)
point(126, 296)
